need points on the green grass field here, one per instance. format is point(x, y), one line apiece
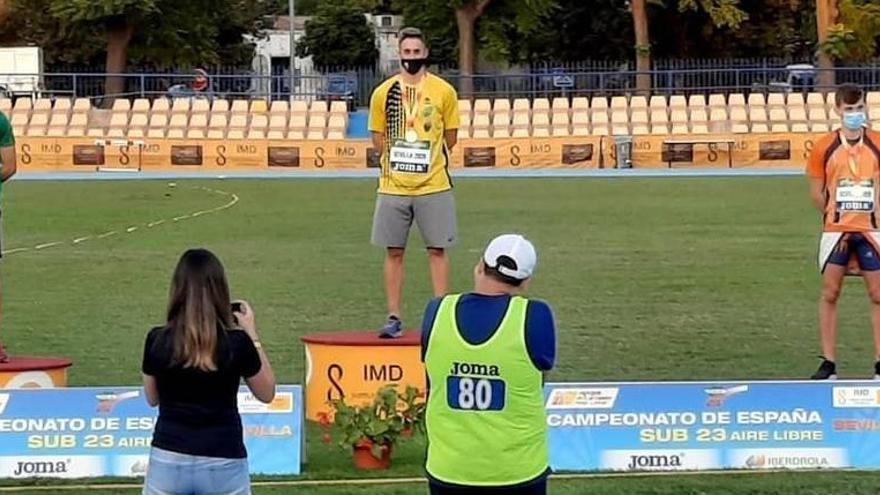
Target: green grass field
point(655, 279)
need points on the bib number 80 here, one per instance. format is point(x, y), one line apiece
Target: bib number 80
point(475, 394)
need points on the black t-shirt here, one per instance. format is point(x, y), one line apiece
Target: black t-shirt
point(198, 410)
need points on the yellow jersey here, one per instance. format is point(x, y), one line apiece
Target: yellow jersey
point(414, 119)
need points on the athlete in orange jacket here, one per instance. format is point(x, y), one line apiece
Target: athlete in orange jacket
point(844, 173)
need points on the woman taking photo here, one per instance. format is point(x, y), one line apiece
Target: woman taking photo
point(192, 368)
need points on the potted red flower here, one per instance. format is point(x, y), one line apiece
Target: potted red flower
point(373, 430)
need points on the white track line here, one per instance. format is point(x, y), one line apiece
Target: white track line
point(232, 202)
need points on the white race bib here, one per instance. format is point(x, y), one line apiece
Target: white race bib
point(855, 198)
point(413, 158)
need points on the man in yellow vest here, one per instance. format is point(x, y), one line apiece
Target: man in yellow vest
point(486, 353)
point(414, 122)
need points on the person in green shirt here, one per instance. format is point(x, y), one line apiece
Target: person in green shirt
point(7, 170)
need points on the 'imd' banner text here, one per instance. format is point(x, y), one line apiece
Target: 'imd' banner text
point(714, 425)
point(94, 432)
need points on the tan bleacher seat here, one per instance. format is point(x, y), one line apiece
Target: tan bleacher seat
point(299, 106)
point(521, 105)
point(298, 122)
point(819, 127)
point(276, 134)
point(677, 102)
point(338, 108)
point(817, 115)
point(619, 122)
point(161, 105)
point(259, 122)
point(521, 125)
point(658, 101)
point(659, 121)
point(779, 126)
point(560, 105)
point(830, 100)
point(464, 106)
point(198, 126)
point(757, 100)
point(599, 123)
point(239, 106)
point(579, 103)
point(138, 121)
point(42, 105)
point(559, 125)
point(121, 105)
point(464, 132)
point(833, 116)
point(736, 100)
point(873, 98)
point(639, 120)
point(599, 103)
point(317, 121)
point(218, 121)
point(500, 105)
point(795, 100)
point(500, 122)
point(717, 100)
point(482, 107)
point(580, 124)
point(815, 100)
point(258, 106)
point(78, 121)
point(697, 102)
point(6, 105)
point(481, 133)
point(775, 100)
point(119, 121)
point(699, 115)
point(178, 122)
point(237, 133)
point(81, 105)
point(540, 104)
point(541, 124)
point(156, 132)
point(216, 133)
point(778, 119)
point(336, 125)
point(679, 120)
point(316, 133)
point(278, 121)
point(481, 122)
point(200, 105)
point(140, 106)
point(760, 127)
point(279, 107)
point(58, 124)
point(38, 124)
point(874, 112)
point(256, 133)
point(22, 105)
point(62, 105)
point(638, 102)
point(180, 105)
point(238, 121)
point(618, 102)
point(319, 107)
point(875, 126)
point(699, 128)
point(640, 129)
point(758, 119)
point(220, 105)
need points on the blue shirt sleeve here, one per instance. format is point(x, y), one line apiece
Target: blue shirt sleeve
point(428, 323)
point(541, 335)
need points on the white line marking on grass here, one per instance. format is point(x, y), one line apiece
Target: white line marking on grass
point(77, 240)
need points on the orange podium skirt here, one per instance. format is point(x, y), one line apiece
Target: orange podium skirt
point(34, 372)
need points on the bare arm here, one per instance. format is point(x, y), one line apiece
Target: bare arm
point(151, 392)
point(378, 140)
point(7, 156)
point(262, 384)
point(451, 137)
point(817, 193)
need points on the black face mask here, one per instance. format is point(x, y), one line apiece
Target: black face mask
point(414, 65)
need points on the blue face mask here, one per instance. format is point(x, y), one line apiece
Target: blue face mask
point(854, 120)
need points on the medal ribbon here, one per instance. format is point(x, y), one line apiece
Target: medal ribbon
point(411, 105)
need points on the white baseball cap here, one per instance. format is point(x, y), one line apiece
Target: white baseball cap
point(517, 249)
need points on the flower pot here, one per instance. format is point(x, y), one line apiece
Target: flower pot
point(364, 459)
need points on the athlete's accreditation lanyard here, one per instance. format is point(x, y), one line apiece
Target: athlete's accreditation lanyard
point(852, 153)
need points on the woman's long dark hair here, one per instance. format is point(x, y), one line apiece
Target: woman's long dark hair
point(198, 308)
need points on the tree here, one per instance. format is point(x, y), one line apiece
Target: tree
point(723, 13)
point(159, 33)
point(847, 31)
point(339, 35)
point(826, 16)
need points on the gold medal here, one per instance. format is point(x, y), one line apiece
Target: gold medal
point(411, 135)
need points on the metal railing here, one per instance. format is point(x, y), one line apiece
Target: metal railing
point(354, 85)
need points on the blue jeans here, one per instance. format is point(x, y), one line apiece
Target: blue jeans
point(170, 473)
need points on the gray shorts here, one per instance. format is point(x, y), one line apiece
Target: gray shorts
point(434, 214)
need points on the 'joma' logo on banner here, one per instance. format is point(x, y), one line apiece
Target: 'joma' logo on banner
point(42, 467)
point(654, 461)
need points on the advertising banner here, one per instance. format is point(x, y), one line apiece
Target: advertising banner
point(714, 425)
point(92, 432)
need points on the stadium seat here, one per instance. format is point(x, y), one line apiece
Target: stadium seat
point(875, 126)
point(82, 105)
point(736, 100)
point(58, 124)
point(819, 127)
point(239, 107)
point(317, 122)
point(717, 101)
point(579, 103)
point(22, 105)
point(259, 122)
point(677, 102)
point(481, 133)
point(638, 102)
point(338, 108)
point(500, 105)
point(198, 126)
point(42, 105)
point(140, 106)
point(297, 123)
point(335, 131)
point(160, 105)
point(521, 105)
point(560, 122)
point(521, 125)
point(618, 103)
point(500, 123)
point(279, 107)
point(77, 124)
point(775, 100)
point(818, 114)
point(5, 105)
point(697, 102)
point(540, 124)
point(278, 121)
point(218, 121)
point(640, 129)
point(758, 119)
point(238, 121)
point(815, 100)
point(560, 106)
point(464, 106)
point(830, 100)
point(699, 120)
point(119, 121)
point(258, 107)
point(639, 118)
point(874, 113)
point(19, 123)
point(482, 107)
point(659, 121)
point(121, 105)
point(237, 133)
point(757, 100)
point(778, 119)
point(599, 123)
point(38, 124)
point(540, 104)
point(580, 123)
point(62, 105)
point(138, 121)
point(480, 124)
point(679, 120)
point(658, 101)
point(177, 125)
point(599, 103)
point(795, 100)
point(199, 105)
point(299, 106)
point(180, 106)
point(220, 105)
point(833, 116)
point(873, 98)
point(319, 107)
